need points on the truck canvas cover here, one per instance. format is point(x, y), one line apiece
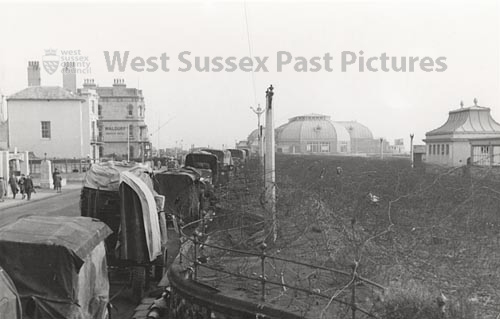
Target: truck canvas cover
point(106, 176)
point(10, 304)
point(101, 199)
point(140, 236)
point(58, 265)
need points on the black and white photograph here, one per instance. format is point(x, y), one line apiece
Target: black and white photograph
point(236, 159)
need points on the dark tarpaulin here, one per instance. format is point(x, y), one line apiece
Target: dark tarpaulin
point(44, 256)
point(223, 156)
point(132, 240)
point(195, 159)
point(182, 193)
point(103, 205)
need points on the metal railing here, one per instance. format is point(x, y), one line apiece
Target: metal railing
point(354, 277)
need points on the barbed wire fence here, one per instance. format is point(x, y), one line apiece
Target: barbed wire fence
point(439, 228)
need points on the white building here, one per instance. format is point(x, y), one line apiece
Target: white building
point(452, 143)
point(122, 131)
point(3, 123)
point(53, 121)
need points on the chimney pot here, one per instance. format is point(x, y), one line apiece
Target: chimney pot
point(34, 78)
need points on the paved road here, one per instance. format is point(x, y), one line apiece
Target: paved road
point(64, 204)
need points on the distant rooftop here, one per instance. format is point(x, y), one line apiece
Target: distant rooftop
point(310, 116)
point(472, 119)
point(45, 93)
point(119, 89)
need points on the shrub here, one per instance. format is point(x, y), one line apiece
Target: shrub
point(412, 300)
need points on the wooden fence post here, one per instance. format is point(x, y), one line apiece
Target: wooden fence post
point(263, 247)
point(354, 281)
point(195, 236)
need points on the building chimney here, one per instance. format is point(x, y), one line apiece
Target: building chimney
point(119, 83)
point(34, 78)
point(69, 76)
point(89, 84)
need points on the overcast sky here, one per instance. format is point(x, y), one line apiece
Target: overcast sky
point(213, 108)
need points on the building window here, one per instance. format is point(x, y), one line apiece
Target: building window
point(93, 107)
point(325, 147)
point(45, 129)
point(433, 149)
point(447, 149)
point(343, 147)
point(480, 155)
point(101, 151)
point(131, 152)
point(430, 149)
point(437, 149)
point(131, 131)
point(442, 149)
point(130, 109)
point(99, 109)
point(318, 147)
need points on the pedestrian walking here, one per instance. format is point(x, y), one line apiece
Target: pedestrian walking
point(54, 175)
point(28, 186)
point(57, 182)
point(13, 185)
point(3, 189)
point(21, 181)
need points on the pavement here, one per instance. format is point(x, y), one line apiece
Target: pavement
point(41, 193)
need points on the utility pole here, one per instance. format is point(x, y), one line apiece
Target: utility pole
point(269, 168)
point(411, 151)
point(158, 137)
point(259, 111)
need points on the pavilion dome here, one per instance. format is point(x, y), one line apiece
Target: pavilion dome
point(253, 136)
point(357, 130)
point(310, 127)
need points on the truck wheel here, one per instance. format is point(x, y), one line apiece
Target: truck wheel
point(138, 282)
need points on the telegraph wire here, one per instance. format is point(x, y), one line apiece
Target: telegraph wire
point(250, 50)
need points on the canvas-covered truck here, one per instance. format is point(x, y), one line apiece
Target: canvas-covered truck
point(239, 158)
point(186, 195)
point(58, 265)
point(225, 164)
point(123, 197)
point(206, 163)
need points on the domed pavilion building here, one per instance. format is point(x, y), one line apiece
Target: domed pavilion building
point(318, 134)
point(312, 133)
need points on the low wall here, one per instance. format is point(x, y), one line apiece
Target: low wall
point(192, 300)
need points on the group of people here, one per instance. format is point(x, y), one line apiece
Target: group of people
point(23, 185)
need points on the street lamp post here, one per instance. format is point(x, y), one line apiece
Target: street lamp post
point(411, 151)
point(269, 169)
point(259, 111)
